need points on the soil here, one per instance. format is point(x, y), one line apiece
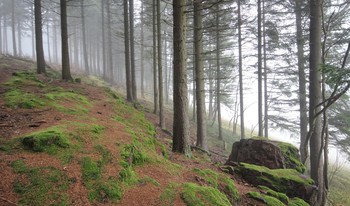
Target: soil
point(17, 122)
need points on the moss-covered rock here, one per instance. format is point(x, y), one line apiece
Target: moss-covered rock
point(291, 156)
point(196, 195)
point(268, 200)
point(288, 181)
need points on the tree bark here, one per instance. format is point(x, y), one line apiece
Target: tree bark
point(86, 62)
point(240, 70)
point(199, 68)
point(218, 73)
point(316, 159)
point(14, 47)
point(302, 81)
point(104, 67)
point(132, 51)
point(142, 66)
point(260, 112)
point(181, 137)
point(129, 96)
point(40, 59)
point(109, 36)
point(65, 48)
point(155, 86)
point(160, 70)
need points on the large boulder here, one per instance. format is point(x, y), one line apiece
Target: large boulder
point(268, 153)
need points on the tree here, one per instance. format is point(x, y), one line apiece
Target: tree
point(132, 51)
point(155, 86)
point(39, 38)
point(160, 69)
point(64, 36)
point(85, 56)
point(129, 96)
point(14, 47)
point(260, 112)
point(240, 68)
point(181, 137)
point(315, 122)
point(199, 70)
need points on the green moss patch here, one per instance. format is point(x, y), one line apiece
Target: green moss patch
point(288, 181)
point(46, 141)
point(195, 195)
point(169, 194)
point(291, 156)
point(221, 182)
point(268, 200)
point(18, 98)
point(42, 185)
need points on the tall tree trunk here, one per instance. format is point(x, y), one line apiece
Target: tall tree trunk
point(315, 98)
point(33, 35)
point(86, 61)
point(166, 68)
point(132, 51)
point(155, 86)
point(199, 68)
point(129, 96)
point(218, 73)
point(260, 103)
point(40, 59)
point(48, 41)
point(181, 137)
point(104, 67)
point(240, 70)
point(302, 81)
point(160, 69)
point(142, 65)
point(109, 36)
point(65, 48)
point(6, 49)
point(14, 47)
point(266, 108)
point(1, 50)
point(19, 37)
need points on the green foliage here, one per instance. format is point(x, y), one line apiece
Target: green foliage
point(340, 188)
point(297, 202)
point(40, 180)
point(268, 200)
point(280, 196)
point(128, 176)
point(49, 140)
point(335, 75)
point(105, 153)
point(195, 195)
point(109, 190)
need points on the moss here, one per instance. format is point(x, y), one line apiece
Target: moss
point(48, 140)
point(286, 181)
point(19, 99)
point(90, 170)
point(106, 191)
point(128, 176)
point(195, 195)
point(221, 182)
point(291, 156)
point(97, 129)
point(168, 195)
point(297, 202)
point(33, 189)
point(268, 200)
point(106, 156)
point(148, 179)
point(280, 196)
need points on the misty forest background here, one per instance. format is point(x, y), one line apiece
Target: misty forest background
point(285, 60)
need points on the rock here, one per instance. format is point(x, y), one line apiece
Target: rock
point(264, 152)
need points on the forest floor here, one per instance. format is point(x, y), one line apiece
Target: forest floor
point(93, 125)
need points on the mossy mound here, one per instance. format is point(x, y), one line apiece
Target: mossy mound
point(288, 181)
point(220, 182)
point(48, 140)
point(273, 198)
point(196, 195)
point(291, 156)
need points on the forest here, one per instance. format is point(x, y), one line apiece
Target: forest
point(242, 68)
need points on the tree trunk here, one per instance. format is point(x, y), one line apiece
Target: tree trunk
point(1, 35)
point(132, 51)
point(104, 67)
point(129, 96)
point(266, 108)
point(65, 48)
point(302, 81)
point(142, 66)
point(155, 86)
point(19, 37)
point(240, 70)
point(39, 38)
point(48, 41)
point(160, 69)
point(166, 68)
point(199, 68)
point(109, 36)
point(218, 73)
point(14, 47)
point(260, 113)
point(181, 137)
point(86, 62)
point(5, 37)
point(316, 158)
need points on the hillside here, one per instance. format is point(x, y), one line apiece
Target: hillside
point(82, 144)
